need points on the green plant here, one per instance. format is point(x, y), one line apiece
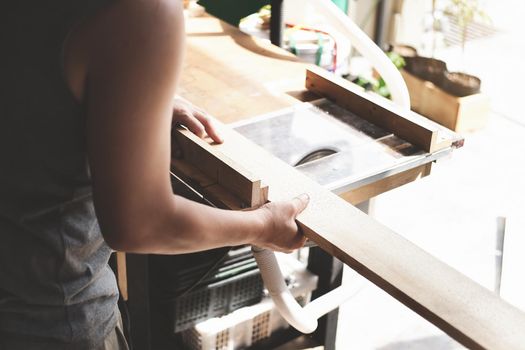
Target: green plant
point(379, 85)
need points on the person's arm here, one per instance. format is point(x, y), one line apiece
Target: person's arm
point(135, 50)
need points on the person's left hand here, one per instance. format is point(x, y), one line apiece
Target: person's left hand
point(195, 119)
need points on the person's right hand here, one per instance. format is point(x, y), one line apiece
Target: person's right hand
point(280, 230)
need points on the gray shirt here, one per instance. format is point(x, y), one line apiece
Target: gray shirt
point(56, 289)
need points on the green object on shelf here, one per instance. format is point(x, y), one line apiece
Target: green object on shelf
point(342, 4)
point(379, 85)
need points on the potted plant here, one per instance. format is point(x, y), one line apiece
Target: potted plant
point(465, 12)
point(452, 99)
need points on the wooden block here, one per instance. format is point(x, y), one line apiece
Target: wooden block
point(190, 174)
point(206, 186)
point(377, 110)
point(221, 170)
point(265, 190)
point(222, 197)
point(456, 113)
point(466, 311)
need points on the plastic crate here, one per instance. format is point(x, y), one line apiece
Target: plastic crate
point(248, 325)
point(175, 275)
point(217, 299)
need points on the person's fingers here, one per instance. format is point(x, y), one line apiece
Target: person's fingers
point(209, 126)
point(300, 203)
point(193, 125)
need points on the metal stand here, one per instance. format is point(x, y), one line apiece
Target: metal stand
point(276, 23)
point(330, 272)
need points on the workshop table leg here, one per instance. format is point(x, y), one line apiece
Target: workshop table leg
point(139, 300)
point(330, 272)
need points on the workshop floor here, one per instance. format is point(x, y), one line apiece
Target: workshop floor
point(452, 213)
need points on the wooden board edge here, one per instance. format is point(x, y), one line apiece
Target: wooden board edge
point(219, 168)
point(375, 109)
point(211, 190)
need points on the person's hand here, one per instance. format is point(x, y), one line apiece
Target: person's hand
point(280, 232)
point(194, 118)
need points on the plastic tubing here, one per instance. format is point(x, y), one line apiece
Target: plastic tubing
point(371, 52)
point(304, 319)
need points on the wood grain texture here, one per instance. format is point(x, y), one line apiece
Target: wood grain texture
point(377, 110)
point(234, 76)
point(456, 113)
point(462, 308)
point(221, 170)
point(206, 186)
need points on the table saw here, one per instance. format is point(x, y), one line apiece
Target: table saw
point(357, 147)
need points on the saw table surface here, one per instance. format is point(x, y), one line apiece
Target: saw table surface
point(332, 145)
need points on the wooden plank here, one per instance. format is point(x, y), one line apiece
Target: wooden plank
point(377, 110)
point(232, 75)
point(210, 189)
point(221, 170)
point(462, 308)
point(191, 174)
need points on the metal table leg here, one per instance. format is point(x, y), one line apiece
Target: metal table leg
point(330, 272)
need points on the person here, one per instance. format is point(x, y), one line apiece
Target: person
point(86, 106)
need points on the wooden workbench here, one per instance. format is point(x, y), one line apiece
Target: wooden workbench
point(234, 76)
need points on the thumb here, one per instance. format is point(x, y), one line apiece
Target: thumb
point(300, 203)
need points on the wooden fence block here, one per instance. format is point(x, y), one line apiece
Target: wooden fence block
point(377, 110)
point(220, 170)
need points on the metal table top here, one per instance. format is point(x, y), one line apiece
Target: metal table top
point(333, 146)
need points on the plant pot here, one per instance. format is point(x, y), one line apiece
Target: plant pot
point(403, 50)
point(426, 68)
point(460, 84)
